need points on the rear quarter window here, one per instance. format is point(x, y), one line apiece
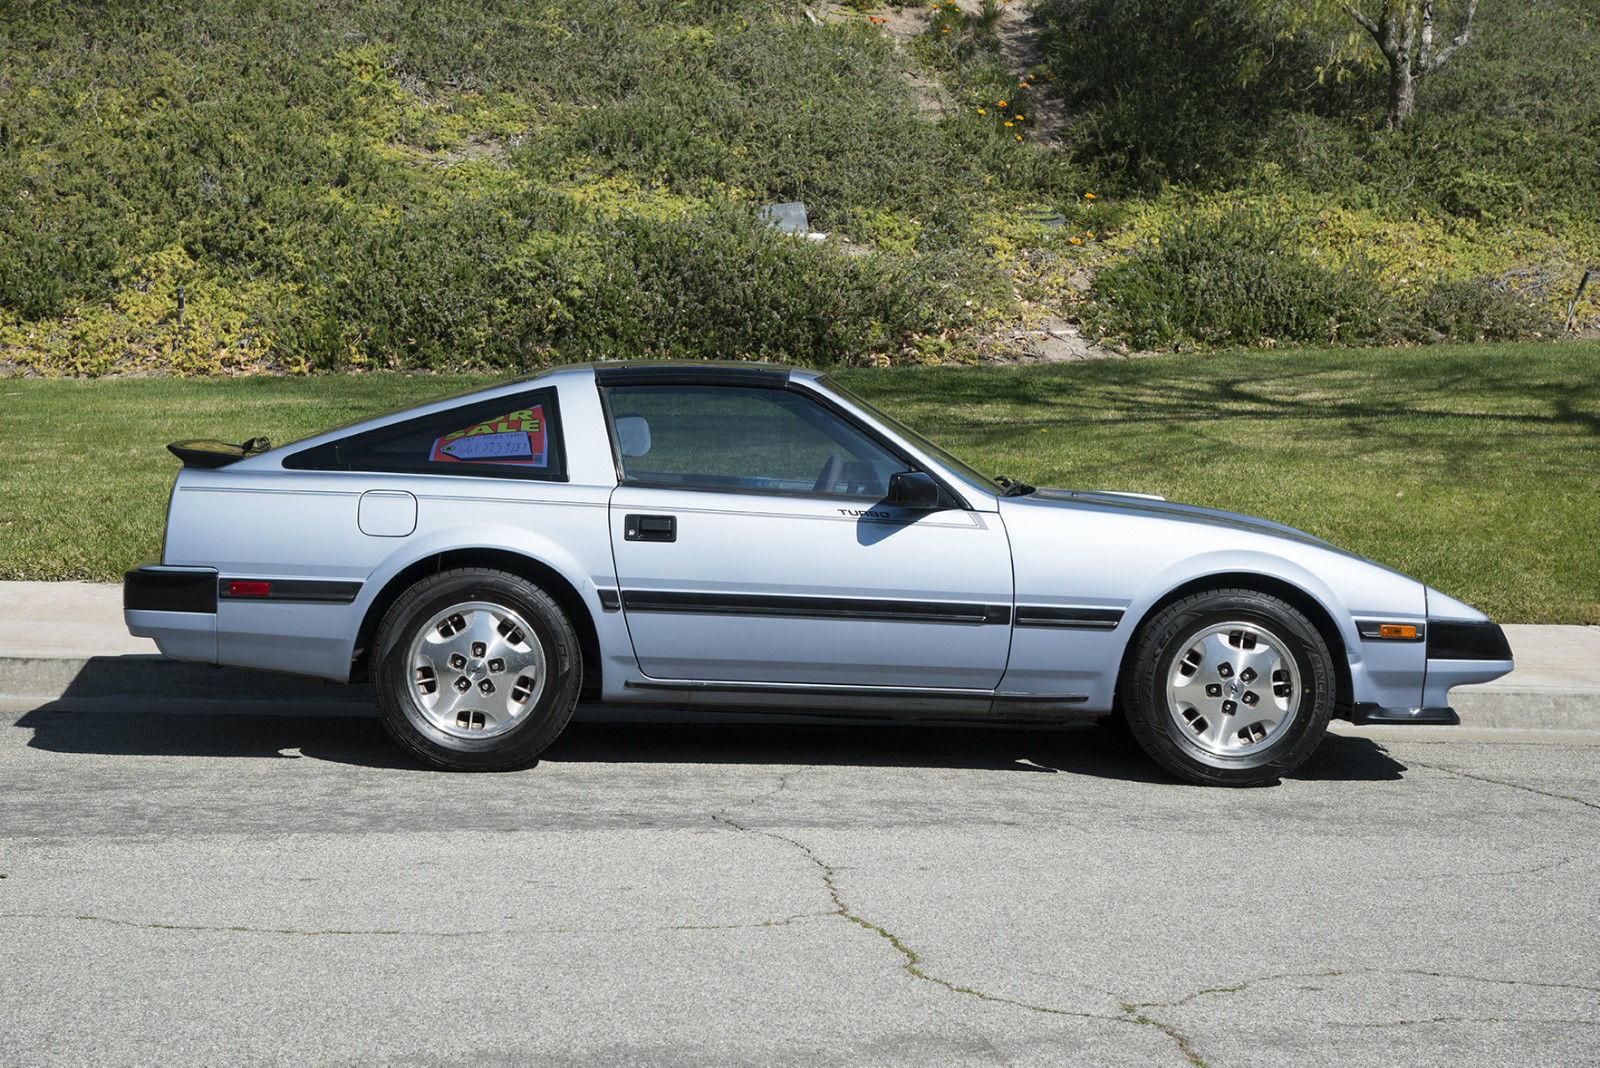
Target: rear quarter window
point(510, 437)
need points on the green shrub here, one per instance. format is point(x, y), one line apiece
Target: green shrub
point(1240, 279)
point(538, 277)
point(447, 289)
point(1227, 280)
point(313, 160)
point(722, 284)
point(1468, 309)
point(50, 258)
point(1170, 90)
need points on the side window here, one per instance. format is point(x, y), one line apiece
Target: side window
point(725, 437)
point(513, 437)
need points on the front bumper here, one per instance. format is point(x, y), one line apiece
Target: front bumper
point(1433, 717)
point(1462, 653)
point(1454, 652)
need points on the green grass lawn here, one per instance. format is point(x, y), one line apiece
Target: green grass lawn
point(1474, 468)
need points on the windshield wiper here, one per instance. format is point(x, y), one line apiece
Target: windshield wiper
point(1013, 488)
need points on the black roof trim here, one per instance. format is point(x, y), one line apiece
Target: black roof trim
point(702, 374)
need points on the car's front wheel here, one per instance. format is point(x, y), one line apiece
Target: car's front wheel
point(476, 670)
point(1230, 687)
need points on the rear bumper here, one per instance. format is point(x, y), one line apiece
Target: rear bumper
point(175, 606)
point(154, 588)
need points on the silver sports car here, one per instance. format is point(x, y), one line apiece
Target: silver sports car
point(757, 537)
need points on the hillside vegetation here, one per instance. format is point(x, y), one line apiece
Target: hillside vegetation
point(293, 185)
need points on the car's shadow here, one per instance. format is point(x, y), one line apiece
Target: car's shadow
point(1085, 749)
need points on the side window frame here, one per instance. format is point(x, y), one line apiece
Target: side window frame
point(951, 500)
point(334, 455)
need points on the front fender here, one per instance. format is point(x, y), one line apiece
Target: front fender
point(1346, 588)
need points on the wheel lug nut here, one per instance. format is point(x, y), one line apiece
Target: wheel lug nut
point(497, 665)
point(458, 661)
point(1247, 676)
point(486, 686)
point(1229, 708)
point(1225, 670)
point(1213, 689)
point(478, 649)
point(1250, 697)
point(463, 685)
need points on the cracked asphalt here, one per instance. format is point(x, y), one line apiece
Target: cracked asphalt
point(205, 889)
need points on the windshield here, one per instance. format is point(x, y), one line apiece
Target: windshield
point(957, 466)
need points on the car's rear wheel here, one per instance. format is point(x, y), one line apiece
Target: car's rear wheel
point(1230, 687)
point(477, 670)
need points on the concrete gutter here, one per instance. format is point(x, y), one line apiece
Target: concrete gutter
point(64, 644)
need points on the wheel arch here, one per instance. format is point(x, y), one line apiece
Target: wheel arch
point(1295, 596)
point(527, 567)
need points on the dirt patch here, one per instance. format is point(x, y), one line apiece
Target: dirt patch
point(473, 150)
point(1051, 339)
point(1019, 49)
point(1015, 33)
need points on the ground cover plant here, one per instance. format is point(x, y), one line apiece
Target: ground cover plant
point(300, 185)
point(1474, 467)
point(240, 186)
point(1476, 218)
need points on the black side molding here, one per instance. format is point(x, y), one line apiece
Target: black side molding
point(736, 604)
point(277, 591)
point(1037, 615)
point(1467, 641)
point(152, 589)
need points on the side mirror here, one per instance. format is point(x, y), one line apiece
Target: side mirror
point(913, 489)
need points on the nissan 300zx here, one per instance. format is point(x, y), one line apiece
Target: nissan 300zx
point(756, 537)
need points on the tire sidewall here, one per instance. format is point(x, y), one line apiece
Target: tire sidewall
point(1157, 730)
point(405, 719)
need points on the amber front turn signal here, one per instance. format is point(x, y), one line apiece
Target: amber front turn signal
point(1404, 631)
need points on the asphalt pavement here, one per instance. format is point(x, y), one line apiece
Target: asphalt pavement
point(186, 881)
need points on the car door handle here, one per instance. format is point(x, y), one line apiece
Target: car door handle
point(650, 528)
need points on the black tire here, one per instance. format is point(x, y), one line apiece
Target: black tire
point(1221, 731)
point(510, 707)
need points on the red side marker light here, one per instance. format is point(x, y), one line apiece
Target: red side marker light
point(248, 589)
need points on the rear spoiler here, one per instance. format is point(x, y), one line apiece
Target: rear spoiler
point(212, 454)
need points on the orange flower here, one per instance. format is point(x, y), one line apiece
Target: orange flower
point(1019, 136)
point(1019, 118)
point(982, 112)
point(1000, 104)
point(1088, 196)
point(1008, 124)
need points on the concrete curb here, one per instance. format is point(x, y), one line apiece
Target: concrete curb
point(137, 682)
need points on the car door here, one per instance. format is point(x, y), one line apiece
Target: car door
point(753, 542)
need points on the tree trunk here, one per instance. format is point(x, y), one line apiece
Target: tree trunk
point(1402, 91)
point(1395, 31)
